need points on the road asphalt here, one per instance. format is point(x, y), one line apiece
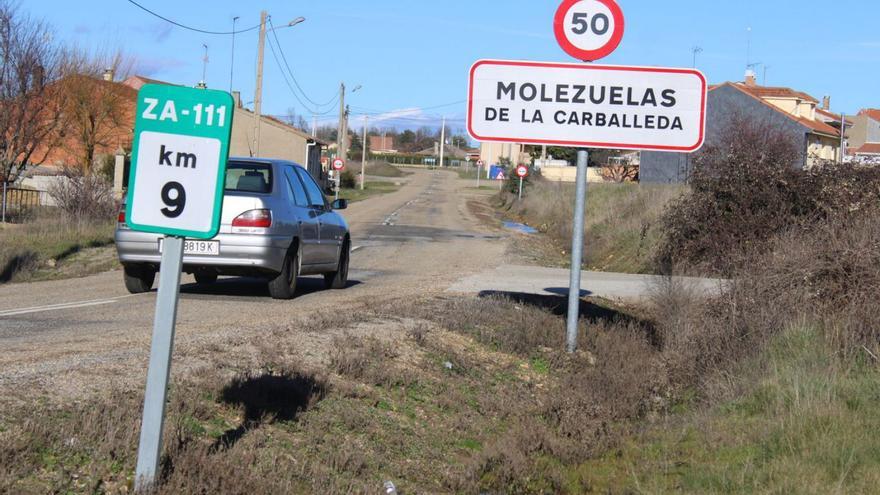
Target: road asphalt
point(66, 338)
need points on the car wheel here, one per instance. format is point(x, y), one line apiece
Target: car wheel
point(283, 286)
point(205, 278)
point(138, 279)
point(339, 278)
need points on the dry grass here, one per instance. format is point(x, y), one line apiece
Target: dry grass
point(621, 227)
point(35, 250)
point(769, 388)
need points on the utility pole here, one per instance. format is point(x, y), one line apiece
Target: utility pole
point(842, 137)
point(364, 155)
point(258, 95)
point(764, 82)
point(340, 144)
point(314, 126)
point(232, 57)
point(442, 140)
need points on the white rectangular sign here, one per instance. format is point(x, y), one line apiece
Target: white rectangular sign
point(598, 106)
point(175, 181)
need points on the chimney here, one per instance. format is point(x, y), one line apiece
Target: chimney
point(751, 80)
point(108, 74)
point(826, 103)
point(236, 97)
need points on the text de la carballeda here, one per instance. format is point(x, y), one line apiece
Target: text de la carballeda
point(587, 105)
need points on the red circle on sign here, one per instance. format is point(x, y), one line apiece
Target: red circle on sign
point(479, 163)
point(338, 164)
point(522, 171)
point(579, 53)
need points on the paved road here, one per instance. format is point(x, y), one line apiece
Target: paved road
point(555, 281)
point(67, 338)
point(408, 244)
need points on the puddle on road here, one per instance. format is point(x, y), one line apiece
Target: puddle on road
point(520, 227)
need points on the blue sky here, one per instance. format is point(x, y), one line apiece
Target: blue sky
point(409, 55)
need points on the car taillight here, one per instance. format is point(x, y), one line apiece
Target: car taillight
point(120, 218)
point(254, 218)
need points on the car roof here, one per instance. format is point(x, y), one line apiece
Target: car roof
point(251, 159)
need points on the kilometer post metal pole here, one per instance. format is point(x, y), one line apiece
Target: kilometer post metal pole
point(577, 247)
point(520, 188)
point(150, 446)
point(479, 170)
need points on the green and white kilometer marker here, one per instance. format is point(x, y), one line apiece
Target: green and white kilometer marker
point(178, 166)
point(181, 144)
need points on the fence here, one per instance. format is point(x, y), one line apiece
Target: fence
point(16, 203)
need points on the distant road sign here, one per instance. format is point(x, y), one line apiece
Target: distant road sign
point(588, 29)
point(178, 167)
point(522, 171)
point(500, 175)
point(479, 163)
point(338, 164)
point(642, 108)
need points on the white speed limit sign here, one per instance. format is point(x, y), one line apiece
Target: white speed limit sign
point(588, 29)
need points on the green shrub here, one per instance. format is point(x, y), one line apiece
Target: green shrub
point(347, 180)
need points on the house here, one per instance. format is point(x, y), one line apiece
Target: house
point(866, 128)
point(382, 145)
point(277, 139)
point(866, 154)
point(91, 130)
point(792, 112)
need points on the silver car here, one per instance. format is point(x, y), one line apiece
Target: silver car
point(276, 224)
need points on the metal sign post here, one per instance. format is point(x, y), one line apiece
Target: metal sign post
point(178, 174)
point(479, 171)
point(150, 447)
point(521, 171)
point(577, 248)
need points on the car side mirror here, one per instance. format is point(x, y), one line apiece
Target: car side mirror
point(339, 204)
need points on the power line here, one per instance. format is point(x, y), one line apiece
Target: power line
point(289, 86)
point(292, 76)
point(205, 31)
point(373, 111)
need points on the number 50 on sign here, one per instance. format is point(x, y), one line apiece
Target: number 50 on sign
point(178, 165)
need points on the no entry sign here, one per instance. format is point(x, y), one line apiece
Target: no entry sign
point(178, 166)
point(643, 108)
point(588, 29)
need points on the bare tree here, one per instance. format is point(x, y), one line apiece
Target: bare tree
point(98, 113)
point(29, 111)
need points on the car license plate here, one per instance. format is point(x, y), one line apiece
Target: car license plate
point(201, 248)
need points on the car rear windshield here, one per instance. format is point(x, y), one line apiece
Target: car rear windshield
point(249, 177)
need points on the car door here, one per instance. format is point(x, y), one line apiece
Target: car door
point(301, 213)
point(320, 209)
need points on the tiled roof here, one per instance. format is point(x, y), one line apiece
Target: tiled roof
point(778, 92)
point(834, 117)
point(872, 113)
point(868, 149)
point(816, 126)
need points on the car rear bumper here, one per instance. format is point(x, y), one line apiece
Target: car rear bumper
point(238, 252)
